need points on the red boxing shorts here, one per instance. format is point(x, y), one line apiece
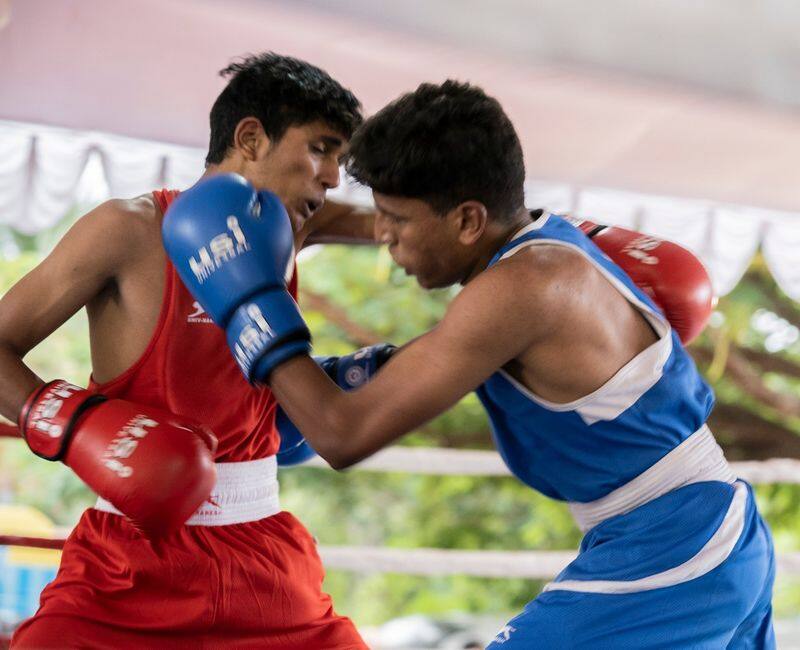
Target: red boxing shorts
point(243, 585)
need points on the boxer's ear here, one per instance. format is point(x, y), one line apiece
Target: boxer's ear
point(470, 219)
point(250, 139)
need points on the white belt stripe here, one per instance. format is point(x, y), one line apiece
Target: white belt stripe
point(698, 458)
point(245, 491)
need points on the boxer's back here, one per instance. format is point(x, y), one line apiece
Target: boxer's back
point(124, 313)
point(581, 449)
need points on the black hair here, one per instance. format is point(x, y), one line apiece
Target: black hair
point(443, 144)
point(280, 92)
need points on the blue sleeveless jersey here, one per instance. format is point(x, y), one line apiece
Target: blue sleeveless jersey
point(582, 450)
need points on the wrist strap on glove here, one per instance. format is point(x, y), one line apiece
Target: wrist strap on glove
point(48, 417)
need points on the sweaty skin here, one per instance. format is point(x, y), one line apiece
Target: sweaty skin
point(545, 315)
point(112, 260)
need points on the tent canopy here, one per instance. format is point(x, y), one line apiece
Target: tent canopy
point(147, 69)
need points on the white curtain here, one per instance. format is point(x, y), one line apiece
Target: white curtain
point(724, 237)
point(42, 169)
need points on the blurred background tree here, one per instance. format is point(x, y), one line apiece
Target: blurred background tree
point(354, 296)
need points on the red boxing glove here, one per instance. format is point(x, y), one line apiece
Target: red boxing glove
point(672, 276)
point(151, 466)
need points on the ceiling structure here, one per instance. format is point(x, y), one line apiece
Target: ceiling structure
point(622, 94)
point(734, 46)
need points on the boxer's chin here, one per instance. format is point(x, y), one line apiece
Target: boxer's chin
point(297, 219)
point(422, 281)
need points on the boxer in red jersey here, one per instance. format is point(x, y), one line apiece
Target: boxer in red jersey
point(240, 573)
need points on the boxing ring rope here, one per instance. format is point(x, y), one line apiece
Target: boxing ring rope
point(32, 542)
point(469, 462)
point(539, 565)
point(532, 565)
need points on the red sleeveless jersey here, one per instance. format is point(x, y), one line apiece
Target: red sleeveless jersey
point(188, 369)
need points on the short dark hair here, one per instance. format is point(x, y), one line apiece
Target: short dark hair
point(280, 92)
point(443, 144)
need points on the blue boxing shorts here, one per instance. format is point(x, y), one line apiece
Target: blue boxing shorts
point(693, 568)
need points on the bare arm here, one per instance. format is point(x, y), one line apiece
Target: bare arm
point(83, 263)
point(340, 223)
point(483, 329)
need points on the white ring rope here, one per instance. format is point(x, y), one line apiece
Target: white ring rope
point(534, 565)
point(541, 565)
point(469, 462)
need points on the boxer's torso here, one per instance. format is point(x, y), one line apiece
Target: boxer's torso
point(153, 344)
point(612, 395)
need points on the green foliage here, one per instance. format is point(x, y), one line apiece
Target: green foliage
point(372, 292)
point(50, 487)
point(65, 354)
point(412, 511)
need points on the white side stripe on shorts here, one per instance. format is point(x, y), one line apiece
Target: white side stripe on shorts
point(715, 551)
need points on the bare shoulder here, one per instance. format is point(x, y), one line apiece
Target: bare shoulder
point(526, 297)
point(101, 247)
point(139, 217)
point(544, 275)
point(547, 260)
point(119, 227)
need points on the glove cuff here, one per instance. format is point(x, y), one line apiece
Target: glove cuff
point(275, 357)
point(48, 417)
point(265, 332)
point(588, 228)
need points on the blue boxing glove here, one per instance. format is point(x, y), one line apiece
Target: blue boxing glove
point(233, 248)
point(294, 448)
point(356, 368)
point(350, 371)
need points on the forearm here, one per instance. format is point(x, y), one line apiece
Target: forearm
point(346, 427)
point(17, 382)
point(339, 223)
point(334, 422)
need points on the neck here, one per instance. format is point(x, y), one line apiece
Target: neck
point(225, 167)
point(496, 236)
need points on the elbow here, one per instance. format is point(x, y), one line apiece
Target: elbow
point(340, 463)
point(338, 459)
point(339, 436)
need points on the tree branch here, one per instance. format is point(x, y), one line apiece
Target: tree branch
point(767, 362)
point(744, 435)
point(357, 334)
point(782, 306)
point(739, 370)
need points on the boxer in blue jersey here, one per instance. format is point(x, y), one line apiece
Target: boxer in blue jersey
point(591, 396)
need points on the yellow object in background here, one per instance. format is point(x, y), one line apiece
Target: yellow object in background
point(28, 522)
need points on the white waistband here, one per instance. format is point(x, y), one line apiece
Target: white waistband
point(246, 491)
point(698, 458)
